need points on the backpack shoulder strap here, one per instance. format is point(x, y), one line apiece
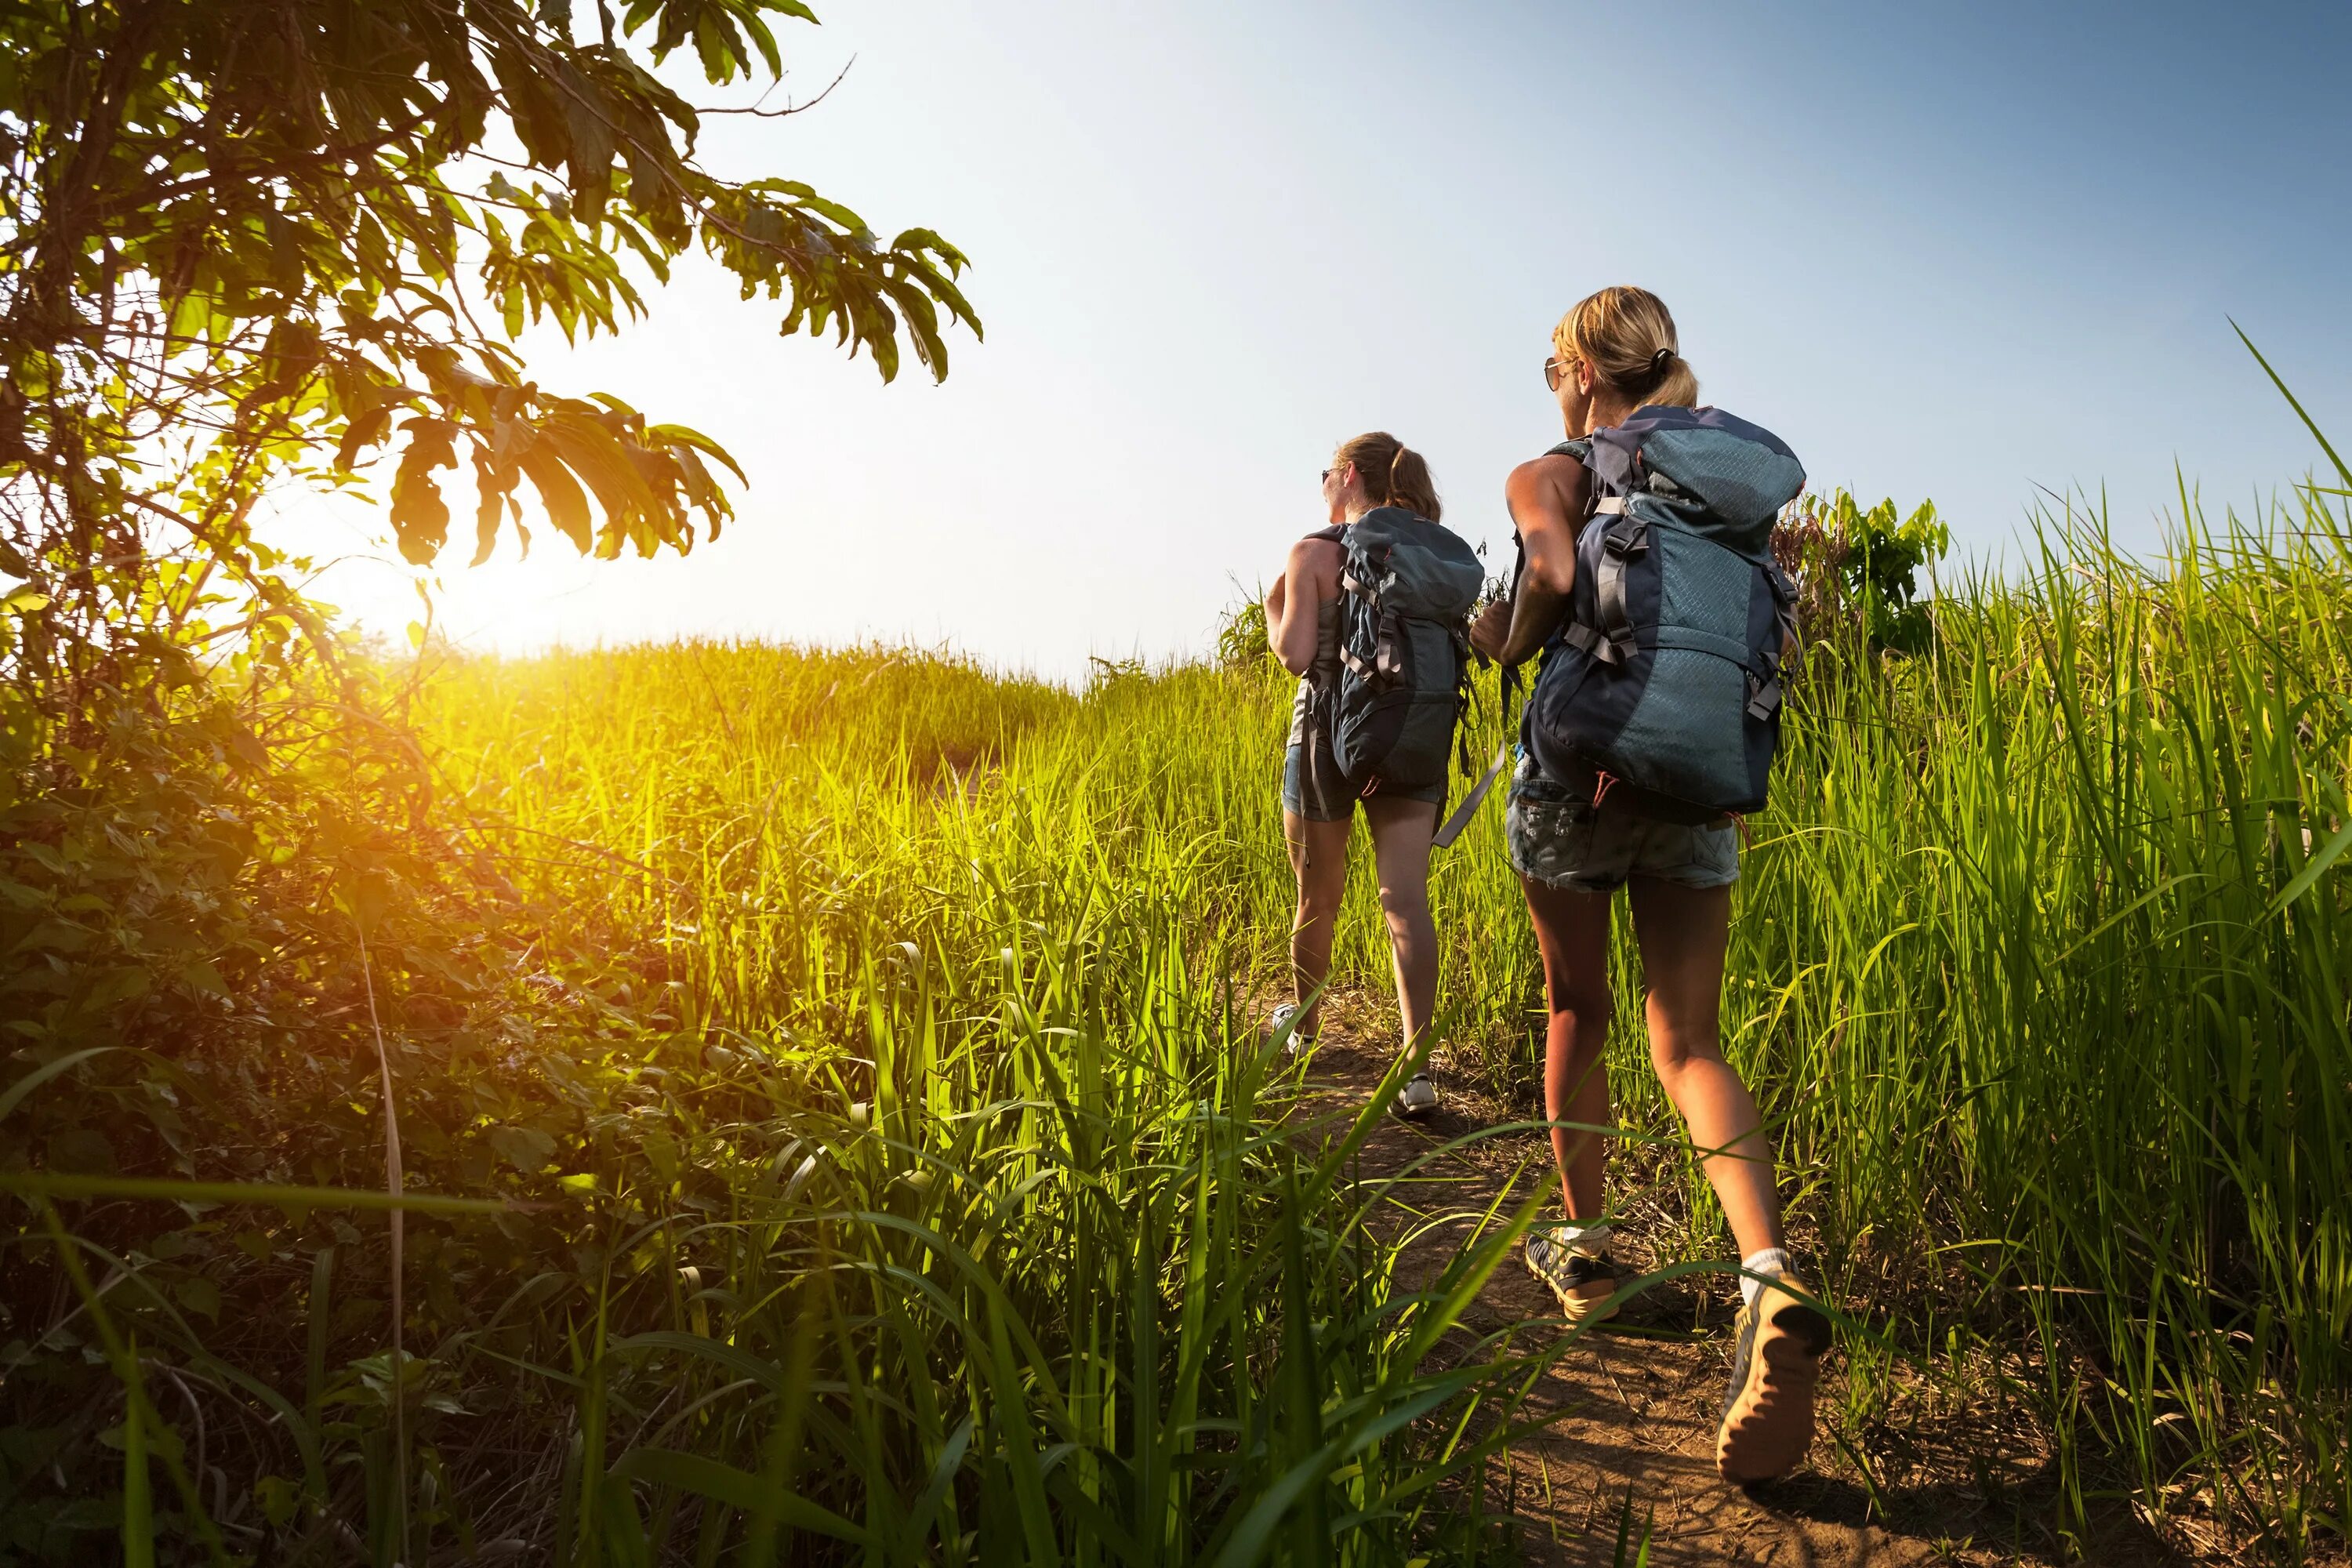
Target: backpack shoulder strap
point(1611, 641)
point(1335, 535)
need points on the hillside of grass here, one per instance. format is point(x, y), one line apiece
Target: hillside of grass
point(854, 1059)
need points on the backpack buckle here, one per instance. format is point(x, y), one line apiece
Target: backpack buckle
point(1626, 537)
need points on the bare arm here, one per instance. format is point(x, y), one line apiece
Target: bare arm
point(1546, 498)
point(1294, 605)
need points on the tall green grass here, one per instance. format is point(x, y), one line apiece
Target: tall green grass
point(2038, 962)
point(2043, 965)
point(996, 1247)
point(905, 1175)
point(902, 1173)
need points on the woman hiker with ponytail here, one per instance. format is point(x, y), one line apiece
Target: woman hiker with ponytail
point(1575, 840)
point(1374, 475)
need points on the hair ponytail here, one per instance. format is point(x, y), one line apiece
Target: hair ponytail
point(1627, 336)
point(1391, 473)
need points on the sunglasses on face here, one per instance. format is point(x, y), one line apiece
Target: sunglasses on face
point(1556, 371)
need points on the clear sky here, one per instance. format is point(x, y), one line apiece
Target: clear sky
point(1951, 251)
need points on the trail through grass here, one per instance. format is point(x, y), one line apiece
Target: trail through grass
point(870, 1060)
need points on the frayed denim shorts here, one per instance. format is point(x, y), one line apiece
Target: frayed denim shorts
point(1558, 837)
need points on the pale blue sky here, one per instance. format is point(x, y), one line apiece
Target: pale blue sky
point(1946, 251)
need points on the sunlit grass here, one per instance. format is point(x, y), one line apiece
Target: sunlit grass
point(903, 1173)
point(2057, 1064)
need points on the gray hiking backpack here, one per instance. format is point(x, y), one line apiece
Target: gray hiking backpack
point(1664, 688)
point(1404, 647)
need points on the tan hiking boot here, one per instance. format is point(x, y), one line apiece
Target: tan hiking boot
point(1582, 1281)
point(1768, 1421)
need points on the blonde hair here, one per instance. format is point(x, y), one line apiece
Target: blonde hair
point(1393, 474)
point(1627, 336)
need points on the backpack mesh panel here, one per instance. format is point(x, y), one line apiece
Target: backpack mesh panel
point(1687, 731)
point(1706, 587)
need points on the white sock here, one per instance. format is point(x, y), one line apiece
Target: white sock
point(1766, 1260)
point(1590, 1238)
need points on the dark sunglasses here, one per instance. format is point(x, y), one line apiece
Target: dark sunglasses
point(1555, 372)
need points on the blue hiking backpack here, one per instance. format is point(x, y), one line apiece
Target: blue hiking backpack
point(1664, 688)
point(1404, 647)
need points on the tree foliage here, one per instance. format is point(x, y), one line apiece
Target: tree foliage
point(246, 239)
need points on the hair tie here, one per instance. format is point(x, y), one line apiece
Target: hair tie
point(1659, 360)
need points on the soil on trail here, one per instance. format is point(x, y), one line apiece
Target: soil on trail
point(1630, 1433)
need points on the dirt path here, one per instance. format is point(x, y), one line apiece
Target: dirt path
point(1633, 1409)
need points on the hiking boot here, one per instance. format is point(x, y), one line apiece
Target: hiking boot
point(1583, 1281)
point(1768, 1421)
point(1285, 1020)
point(1417, 1098)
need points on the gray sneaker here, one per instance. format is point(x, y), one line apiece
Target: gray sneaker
point(1417, 1098)
point(1585, 1283)
point(1284, 1024)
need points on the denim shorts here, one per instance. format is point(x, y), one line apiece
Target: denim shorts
point(1557, 837)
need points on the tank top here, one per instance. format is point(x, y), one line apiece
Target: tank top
point(1320, 676)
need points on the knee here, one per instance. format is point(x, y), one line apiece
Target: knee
point(1403, 906)
point(1672, 1051)
point(1588, 1009)
point(1317, 903)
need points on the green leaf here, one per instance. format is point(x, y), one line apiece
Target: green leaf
point(137, 1504)
point(737, 1488)
point(57, 1184)
point(527, 1149)
point(420, 518)
point(566, 503)
point(15, 1094)
point(2312, 869)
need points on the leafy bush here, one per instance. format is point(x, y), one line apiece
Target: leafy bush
point(1857, 572)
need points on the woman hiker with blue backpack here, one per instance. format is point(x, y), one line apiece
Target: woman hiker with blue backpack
point(1369, 613)
point(1646, 582)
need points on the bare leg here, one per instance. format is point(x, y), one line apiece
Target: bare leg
point(1572, 932)
point(1402, 832)
point(1683, 933)
point(1318, 854)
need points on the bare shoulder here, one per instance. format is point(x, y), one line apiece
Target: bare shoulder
point(1314, 560)
point(1554, 483)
